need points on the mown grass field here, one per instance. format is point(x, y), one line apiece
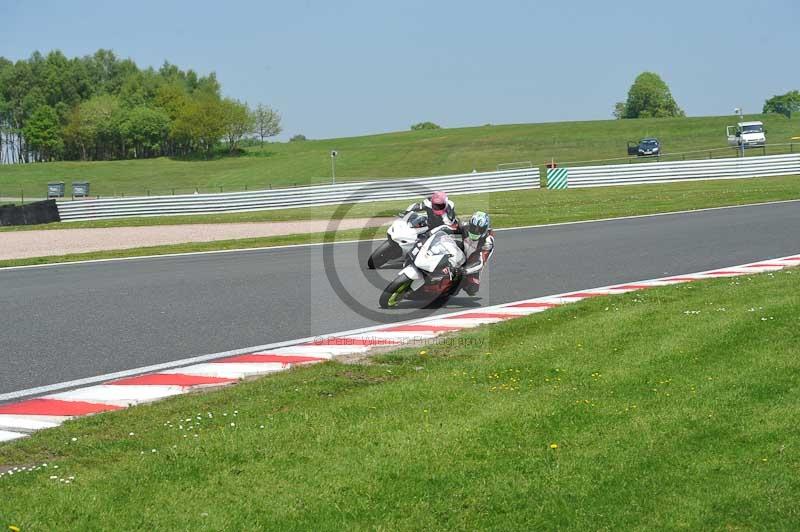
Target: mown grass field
point(673, 408)
point(402, 154)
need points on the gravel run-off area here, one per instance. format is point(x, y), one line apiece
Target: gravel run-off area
point(51, 242)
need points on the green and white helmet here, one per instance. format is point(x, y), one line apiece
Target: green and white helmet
point(478, 225)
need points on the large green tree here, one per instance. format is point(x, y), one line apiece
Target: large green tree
point(267, 122)
point(43, 133)
point(146, 130)
point(201, 123)
point(785, 104)
point(99, 126)
point(239, 121)
point(648, 97)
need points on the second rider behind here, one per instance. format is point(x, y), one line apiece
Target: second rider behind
point(440, 210)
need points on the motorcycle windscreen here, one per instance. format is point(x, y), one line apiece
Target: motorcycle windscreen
point(439, 245)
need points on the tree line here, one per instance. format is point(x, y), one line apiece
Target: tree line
point(785, 104)
point(650, 97)
point(100, 107)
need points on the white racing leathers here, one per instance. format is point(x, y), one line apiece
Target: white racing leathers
point(478, 253)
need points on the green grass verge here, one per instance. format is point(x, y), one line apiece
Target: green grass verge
point(673, 408)
point(508, 209)
point(402, 154)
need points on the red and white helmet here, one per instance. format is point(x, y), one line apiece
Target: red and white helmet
point(439, 203)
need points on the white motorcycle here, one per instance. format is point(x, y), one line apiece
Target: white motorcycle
point(432, 271)
point(400, 238)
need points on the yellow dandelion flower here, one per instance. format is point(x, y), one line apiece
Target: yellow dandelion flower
point(13, 528)
point(554, 446)
point(423, 353)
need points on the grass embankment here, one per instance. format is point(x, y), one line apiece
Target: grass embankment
point(508, 209)
point(673, 408)
point(402, 154)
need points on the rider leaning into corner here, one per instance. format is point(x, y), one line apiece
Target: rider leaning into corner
point(478, 240)
point(440, 210)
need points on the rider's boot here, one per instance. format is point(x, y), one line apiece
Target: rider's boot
point(471, 284)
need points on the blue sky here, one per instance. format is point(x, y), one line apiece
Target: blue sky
point(360, 67)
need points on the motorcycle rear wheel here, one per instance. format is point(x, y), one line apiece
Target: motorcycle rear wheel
point(388, 250)
point(394, 293)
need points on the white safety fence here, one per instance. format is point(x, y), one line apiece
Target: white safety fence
point(637, 174)
point(345, 193)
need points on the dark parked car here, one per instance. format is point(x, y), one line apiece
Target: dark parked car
point(648, 147)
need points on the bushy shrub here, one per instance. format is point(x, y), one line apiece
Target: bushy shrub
point(425, 125)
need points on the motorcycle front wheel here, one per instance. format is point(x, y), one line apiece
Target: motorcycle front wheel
point(394, 293)
point(388, 250)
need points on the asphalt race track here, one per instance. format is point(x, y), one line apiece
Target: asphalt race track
point(67, 322)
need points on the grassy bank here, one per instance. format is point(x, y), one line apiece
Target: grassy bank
point(673, 408)
point(403, 154)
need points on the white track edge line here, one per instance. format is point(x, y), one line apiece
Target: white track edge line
point(314, 244)
point(653, 215)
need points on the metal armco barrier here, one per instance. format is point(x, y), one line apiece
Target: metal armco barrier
point(526, 178)
point(637, 174)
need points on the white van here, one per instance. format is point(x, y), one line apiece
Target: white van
point(747, 134)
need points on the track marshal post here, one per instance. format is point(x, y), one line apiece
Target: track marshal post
point(557, 178)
